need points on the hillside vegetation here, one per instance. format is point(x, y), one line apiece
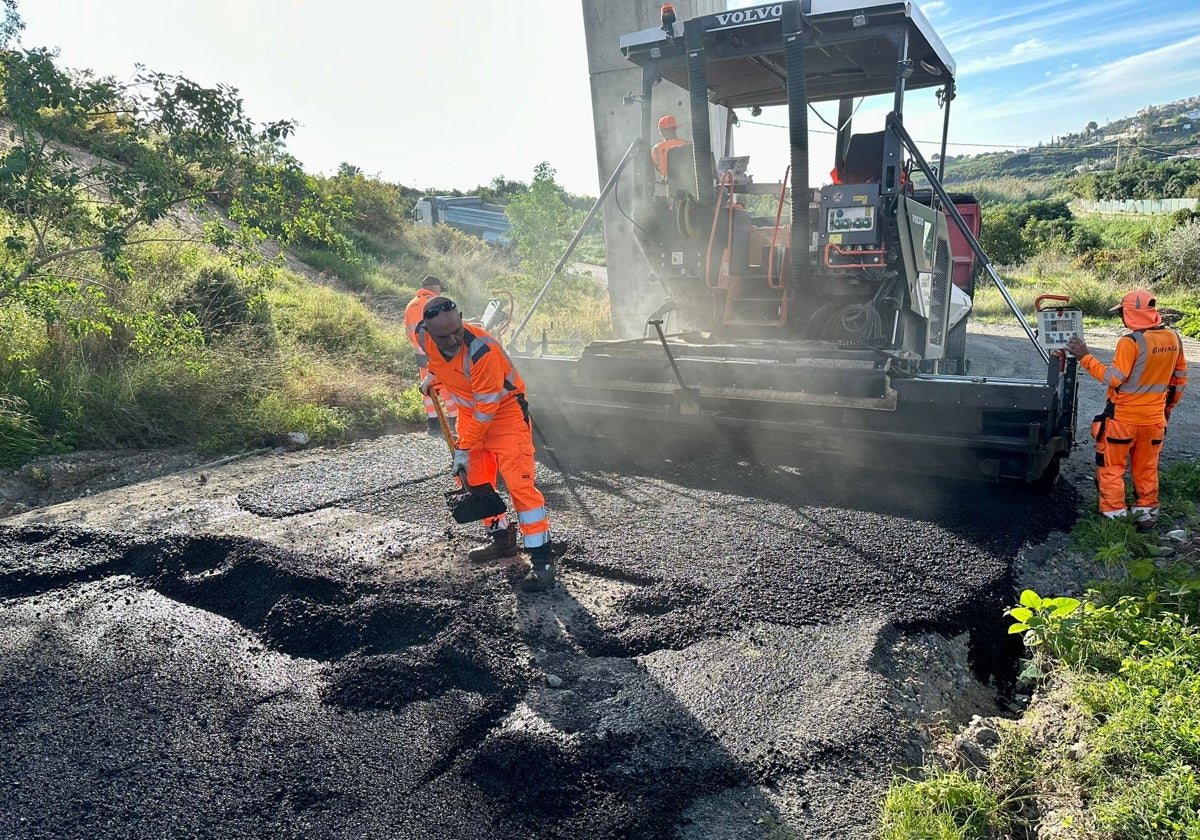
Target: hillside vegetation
point(1153, 154)
point(1042, 244)
point(172, 276)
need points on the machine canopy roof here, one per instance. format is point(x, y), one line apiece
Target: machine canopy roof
point(852, 50)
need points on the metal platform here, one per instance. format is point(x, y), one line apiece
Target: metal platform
point(786, 396)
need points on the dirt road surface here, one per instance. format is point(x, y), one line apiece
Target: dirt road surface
point(293, 645)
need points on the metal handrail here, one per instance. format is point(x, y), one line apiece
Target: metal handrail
point(894, 124)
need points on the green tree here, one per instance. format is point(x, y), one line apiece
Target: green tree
point(373, 206)
point(543, 222)
point(1001, 237)
point(11, 26)
point(182, 148)
point(501, 190)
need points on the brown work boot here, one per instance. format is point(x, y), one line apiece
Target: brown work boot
point(503, 544)
point(1145, 519)
point(541, 574)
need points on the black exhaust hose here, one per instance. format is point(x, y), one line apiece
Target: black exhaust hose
point(701, 140)
point(794, 39)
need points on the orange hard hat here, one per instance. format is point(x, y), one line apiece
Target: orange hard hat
point(1138, 310)
point(667, 122)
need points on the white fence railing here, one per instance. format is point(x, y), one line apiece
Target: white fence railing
point(1137, 205)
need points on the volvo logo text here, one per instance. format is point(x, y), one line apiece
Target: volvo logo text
point(741, 17)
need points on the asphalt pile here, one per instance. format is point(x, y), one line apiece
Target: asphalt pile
point(312, 656)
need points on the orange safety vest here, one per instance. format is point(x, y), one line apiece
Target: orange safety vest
point(482, 379)
point(659, 153)
point(414, 314)
point(1147, 375)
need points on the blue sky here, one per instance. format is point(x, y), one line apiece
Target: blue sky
point(453, 94)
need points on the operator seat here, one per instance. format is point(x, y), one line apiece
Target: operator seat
point(681, 170)
point(864, 158)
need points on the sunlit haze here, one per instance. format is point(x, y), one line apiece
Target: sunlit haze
point(451, 95)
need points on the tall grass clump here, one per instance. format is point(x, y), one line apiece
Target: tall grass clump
point(20, 437)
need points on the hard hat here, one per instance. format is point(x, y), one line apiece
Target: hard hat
point(1138, 310)
point(667, 122)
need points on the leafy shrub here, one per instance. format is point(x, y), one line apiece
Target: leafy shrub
point(375, 206)
point(1184, 216)
point(219, 302)
point(1178, 252)
point(1048, 235)
point(1123, 266)
point(1001, 237)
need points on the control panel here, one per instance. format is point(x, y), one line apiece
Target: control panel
point(850, 214)
point(1057, 325)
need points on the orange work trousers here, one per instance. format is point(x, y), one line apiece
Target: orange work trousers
point(1118, 444)
point(507, 448)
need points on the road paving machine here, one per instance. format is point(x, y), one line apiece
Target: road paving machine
point(828, 317)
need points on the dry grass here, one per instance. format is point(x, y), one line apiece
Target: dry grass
point(1047, 274)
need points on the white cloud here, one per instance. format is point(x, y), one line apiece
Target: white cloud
point(1104, 41)
point(1067, 100)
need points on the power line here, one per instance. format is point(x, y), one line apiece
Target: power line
point(1013, 147)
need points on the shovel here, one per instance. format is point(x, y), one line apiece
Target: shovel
point(469, 503)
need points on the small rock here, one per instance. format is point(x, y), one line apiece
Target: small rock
point(986, 736)
point(1178, 535)
point(554, 681)
point(298, 438)
point(970, 757)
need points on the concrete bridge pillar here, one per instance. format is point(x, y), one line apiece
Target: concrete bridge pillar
point(616, 125)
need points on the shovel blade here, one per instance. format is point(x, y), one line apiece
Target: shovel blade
point(474, 504)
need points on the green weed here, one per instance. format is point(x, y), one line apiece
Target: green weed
point(944, 805)
point(1044, 621)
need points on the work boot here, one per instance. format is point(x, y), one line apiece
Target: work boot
point(503, 544)
point(1145, 519)
point(541, 574)
point(435, 427)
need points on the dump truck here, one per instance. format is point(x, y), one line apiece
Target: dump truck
point(468, 213)
point(828, 317)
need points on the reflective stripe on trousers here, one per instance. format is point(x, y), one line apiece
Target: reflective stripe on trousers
point(507, 449)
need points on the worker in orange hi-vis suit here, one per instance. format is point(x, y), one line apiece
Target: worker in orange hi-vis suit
point(668, 129)
point(1145, 382)
point(431, 287)
point(494, 432)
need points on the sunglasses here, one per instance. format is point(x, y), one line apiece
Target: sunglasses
point(438, 309)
